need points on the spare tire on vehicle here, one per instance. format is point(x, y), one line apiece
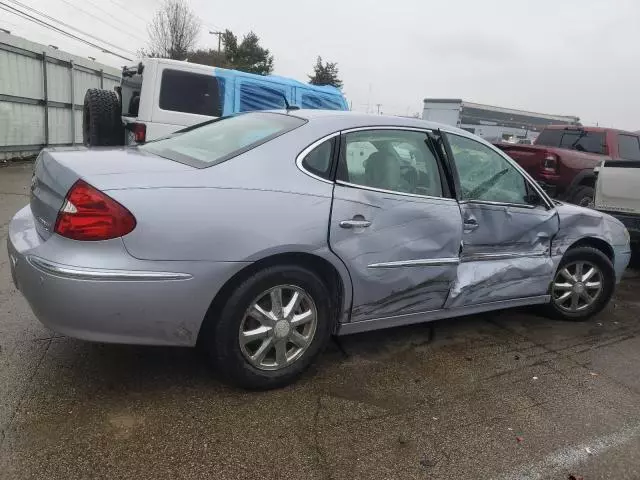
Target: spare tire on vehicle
point(101, 122)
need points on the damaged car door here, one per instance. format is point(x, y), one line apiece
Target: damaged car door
point(394, 222)
point(507, 228)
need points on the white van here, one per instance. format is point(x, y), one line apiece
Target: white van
point(159, 96)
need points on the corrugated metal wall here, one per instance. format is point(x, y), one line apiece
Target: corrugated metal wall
point(41, 95)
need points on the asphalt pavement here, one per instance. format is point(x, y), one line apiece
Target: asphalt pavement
point(506, 395)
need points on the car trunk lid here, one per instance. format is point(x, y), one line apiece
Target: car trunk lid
point(57, 169)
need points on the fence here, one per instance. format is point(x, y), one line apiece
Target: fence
point(42, 94)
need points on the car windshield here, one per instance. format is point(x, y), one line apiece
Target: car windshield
point(214, 142)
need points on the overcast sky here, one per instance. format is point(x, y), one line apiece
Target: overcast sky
point(570, 57)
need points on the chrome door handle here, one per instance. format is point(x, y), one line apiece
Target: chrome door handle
point(355, 223)
point(471, 225)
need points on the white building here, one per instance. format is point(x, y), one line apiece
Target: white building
point(489, 122)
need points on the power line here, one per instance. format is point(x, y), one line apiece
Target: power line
point(26, 16)
point(211, 26)
point(69, 26)
point(127, 9)
point(137, 27)
point(76, 7)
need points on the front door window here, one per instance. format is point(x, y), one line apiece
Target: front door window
point(487, 176)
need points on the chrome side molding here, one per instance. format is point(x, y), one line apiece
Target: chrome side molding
point(423, 262)
point(80, 273)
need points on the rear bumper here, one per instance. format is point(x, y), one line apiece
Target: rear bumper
point(135, 302)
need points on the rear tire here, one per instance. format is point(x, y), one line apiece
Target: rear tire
point(572, 283)
point(225, 334)
point(101, 119)
point(584, 196)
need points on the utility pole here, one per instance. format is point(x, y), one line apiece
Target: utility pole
point(378, 105)
point(219, 34)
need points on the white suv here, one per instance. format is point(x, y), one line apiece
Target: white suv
point(159, 96)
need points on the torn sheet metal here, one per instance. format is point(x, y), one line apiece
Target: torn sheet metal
point(518, 252)
point(491, 281)
point(404, 257)
point(577, 223)
point(505, 255)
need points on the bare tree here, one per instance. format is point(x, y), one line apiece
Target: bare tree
point(173, 31)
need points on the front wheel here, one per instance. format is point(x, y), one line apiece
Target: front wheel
point(271, 329)
point(583, 284)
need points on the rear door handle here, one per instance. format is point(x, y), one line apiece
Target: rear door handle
point(355, 223)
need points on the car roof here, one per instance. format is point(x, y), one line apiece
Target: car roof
point(348, 119)
point(588, 129)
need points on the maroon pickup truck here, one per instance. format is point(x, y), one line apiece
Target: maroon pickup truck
point(562, 158)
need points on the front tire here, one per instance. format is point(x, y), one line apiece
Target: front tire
point(582, 286)
point(271, 329)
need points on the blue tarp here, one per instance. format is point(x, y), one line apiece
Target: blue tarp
point(244, 92)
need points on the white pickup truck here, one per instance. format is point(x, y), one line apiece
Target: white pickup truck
point(618, 194)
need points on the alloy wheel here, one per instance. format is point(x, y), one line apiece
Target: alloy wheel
point(577, 286)
point(278, 327)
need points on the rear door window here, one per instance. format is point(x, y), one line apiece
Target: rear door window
point(581, 140)
point(590, 142)
point(629, 147)
point(393, 160)
point(257, 96)
point(318, 161)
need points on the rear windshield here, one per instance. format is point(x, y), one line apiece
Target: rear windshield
point(583, 141)
point(218, 140)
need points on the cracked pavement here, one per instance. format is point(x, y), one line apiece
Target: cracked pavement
point(498, 396)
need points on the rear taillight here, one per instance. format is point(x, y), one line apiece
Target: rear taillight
point(139, 132)
point(550, 163)
point(89, 214)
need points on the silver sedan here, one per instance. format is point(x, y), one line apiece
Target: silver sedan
point(259, 236)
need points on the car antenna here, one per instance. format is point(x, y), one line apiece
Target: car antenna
point(287, 106)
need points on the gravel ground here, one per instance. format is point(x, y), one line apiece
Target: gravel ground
point(508, 395)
